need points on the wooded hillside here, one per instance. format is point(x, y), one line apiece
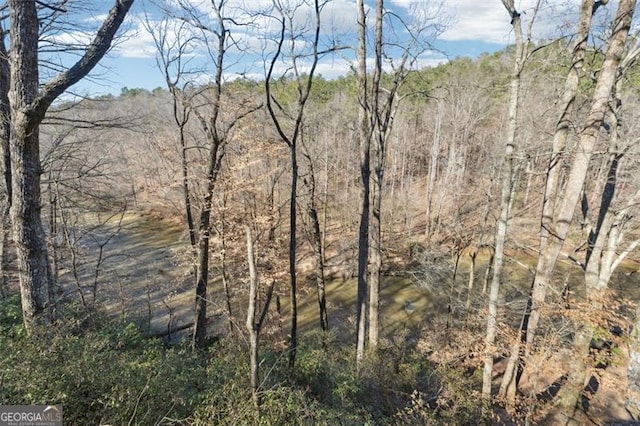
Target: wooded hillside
point(454, 244)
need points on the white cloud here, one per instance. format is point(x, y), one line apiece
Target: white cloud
point(489, 21)
point(330, 69)
point(474, 20)
point(136, 43)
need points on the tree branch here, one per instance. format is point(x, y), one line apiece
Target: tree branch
point(95, 51)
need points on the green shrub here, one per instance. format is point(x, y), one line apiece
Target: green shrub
point(110, 373)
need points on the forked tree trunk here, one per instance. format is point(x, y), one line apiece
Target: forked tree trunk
point(217, 140)
point(291, 140)
point(566, 202)
point(28, 107)
point(253, 324)
point(561, 134)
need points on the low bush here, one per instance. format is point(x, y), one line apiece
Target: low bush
point(110, 373)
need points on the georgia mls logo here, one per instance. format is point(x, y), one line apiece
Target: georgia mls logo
point(52, 413)
point(30, 415)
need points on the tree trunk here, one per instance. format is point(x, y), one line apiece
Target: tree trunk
point(223, 266)
point(216, 140)
point(557, 228)
point(202, 280)
point(293, 336)
point(318, 252)
point(472, 276)
point(28, 107)
point(433, 168)
point(251, 320)
point(633, 371)
point(561, 134)
point(569, 395)
point(600, 261)
point(5, 162)
point(375, 260)
point(365, 175)
point(508, 177)
point(28, 233)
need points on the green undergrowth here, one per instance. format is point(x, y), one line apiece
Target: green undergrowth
point(110, 373)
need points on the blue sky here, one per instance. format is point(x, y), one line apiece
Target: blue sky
point(473, 27)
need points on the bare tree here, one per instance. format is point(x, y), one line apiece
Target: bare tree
point(316, 237)
point(378, 106)
point(364, 140)
point(28, 106)
point(605, 237)
point(509, 172)
point(217, 118)
point(561, 202)
point(254, 325)
point(289, 126)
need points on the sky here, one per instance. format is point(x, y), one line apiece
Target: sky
point(455, 28)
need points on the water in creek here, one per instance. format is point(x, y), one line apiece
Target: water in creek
point(143, 276)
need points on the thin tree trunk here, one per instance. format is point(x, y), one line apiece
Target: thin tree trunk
point(452, 286)
point(202, 280)
point(365, 175)
point(293, 335)
point(251, 320)
point(5, 162)
point(317, 242)
point(304, 90)
point(433, 168)
point(223, 266)
point(217, 140)
point(472, 275)
point(375, 259)
point(508, 177)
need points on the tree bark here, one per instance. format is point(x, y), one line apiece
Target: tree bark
point(508, 177)
point(365, 185)
point(375, 257)
point(633, 371)
point(293, 335)
point(28, 107)
point(217, 139)
point(565, 203)
point(204, 235)
point(561, 134)
point(5, 162)
point(251, 319)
